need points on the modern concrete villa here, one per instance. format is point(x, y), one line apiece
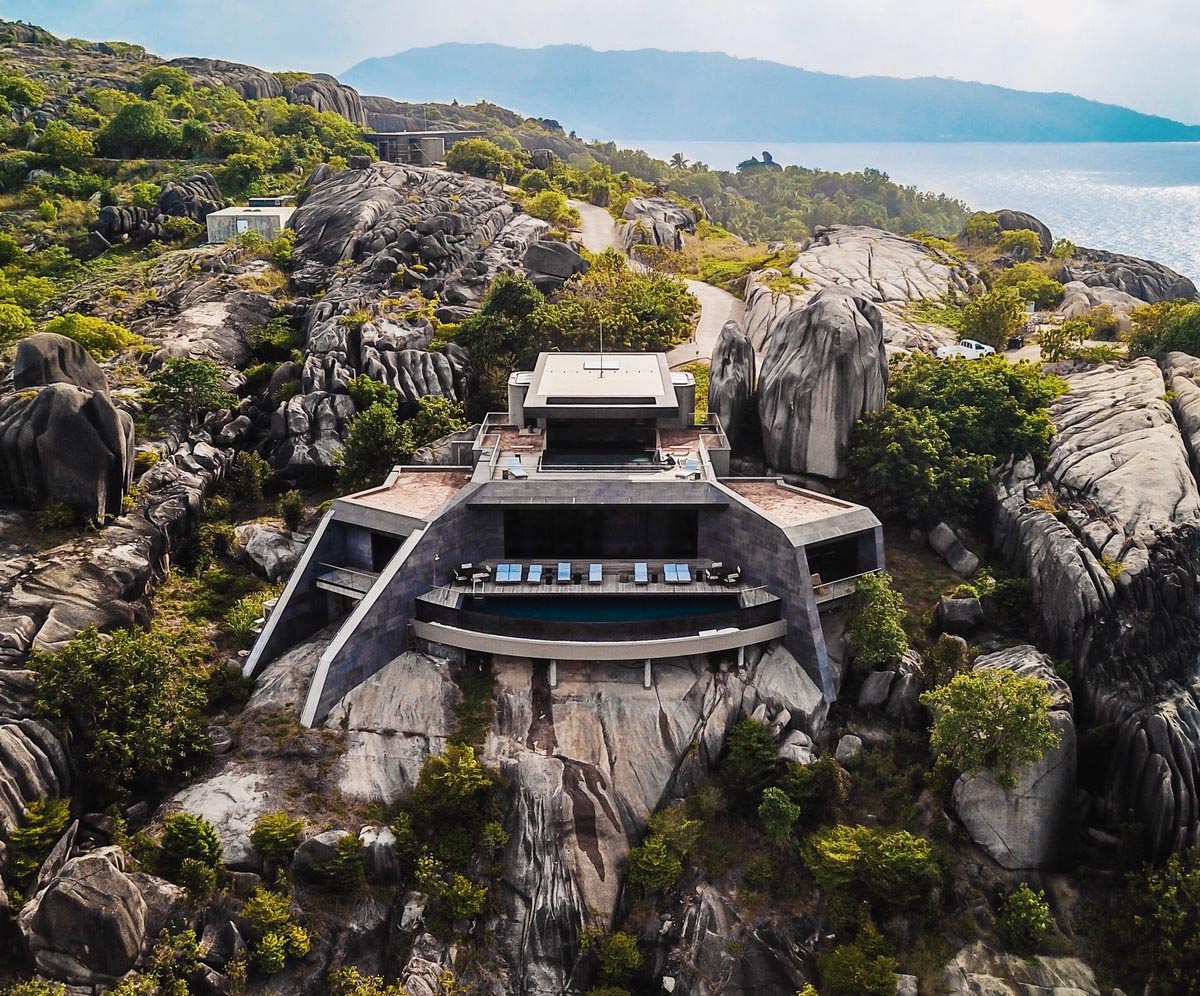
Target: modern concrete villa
point(594, 520)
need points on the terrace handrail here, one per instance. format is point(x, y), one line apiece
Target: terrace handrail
point(374, 575)
point(826, 591)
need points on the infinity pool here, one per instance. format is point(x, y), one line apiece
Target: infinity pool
point(601, 608)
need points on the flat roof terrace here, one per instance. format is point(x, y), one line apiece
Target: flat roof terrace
point(413, 492)
point(787, 505)
point(562, 382)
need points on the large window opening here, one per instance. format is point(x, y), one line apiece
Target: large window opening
point(834, 560)
point(383, 548)
point(600, 533)
point(599, 442)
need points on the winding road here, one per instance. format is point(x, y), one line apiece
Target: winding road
point(716, 306)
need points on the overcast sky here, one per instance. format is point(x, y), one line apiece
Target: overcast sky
point(1138, 53)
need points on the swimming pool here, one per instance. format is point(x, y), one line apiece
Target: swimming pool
point(601, 608)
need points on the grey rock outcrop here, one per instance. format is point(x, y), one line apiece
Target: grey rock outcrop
point(949, 547)
point(359, 235)
point(1182, 374)
point(976, 969)
point(194, 198)
point(825, 368)
point(251, 83)
point(88, 924)
point(1079, 299)
point(887, 269)
point(47, 358)
point(654, 221)
point(1144, 279)
point(273, 552)
point(62, 443)
point(33, 758)
point(1018, 221)
point(1030, 825)
point(731, 383)
point(549, 264)
point(324, 93)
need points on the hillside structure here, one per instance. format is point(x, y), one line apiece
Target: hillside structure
point(595, 520)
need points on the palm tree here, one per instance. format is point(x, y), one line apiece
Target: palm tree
point(679, 161)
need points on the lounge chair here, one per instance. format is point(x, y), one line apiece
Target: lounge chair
point(515, 471)
point(481, 574)
point(732, 577)
point(691, 469)
point(670, 574)
point(595, 574)
point(535, 574)
point(463, 573)
point(641, 574)
point(684, 573)
point(508, 573)
point(564, 573)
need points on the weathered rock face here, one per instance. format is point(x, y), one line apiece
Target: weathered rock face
point(250, 82)
point(825, 367)
point(731, 382)
point(393, 721)
point(87, 926)
point(1114, 584)
point(1079, 299)
point(273, 552)
point(325, 93)
point(66, 444)
point(587, 762)
point(1182, 373)
point(1017, 221)
point(194, 198)
point(889, 270)
point(1030, 825)
point(549, 264)
point(359, 234)
point(976, 970)
point(654, 221)
point(33, 760)
point(47, 358)
point(1141, 278)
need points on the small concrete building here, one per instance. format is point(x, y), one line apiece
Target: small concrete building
point(231, 222)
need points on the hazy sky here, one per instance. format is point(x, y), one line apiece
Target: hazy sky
point(1139, 53)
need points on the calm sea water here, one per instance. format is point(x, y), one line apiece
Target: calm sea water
point(1142, 199)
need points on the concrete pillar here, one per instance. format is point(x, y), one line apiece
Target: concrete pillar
point(648, 675)
point(554, 674)
point(741, 658)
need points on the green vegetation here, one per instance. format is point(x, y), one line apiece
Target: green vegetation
point(377, 441)
point(98, 337)
point(275, 935)
point(993, 317)
point(1022, 242)
point(1165, 327)
point(189, 388)
point(246, 477)
point(994, 721)
point(349, 981)
point(133, 703)
point(751, 765)
point(876, 624)
point(926, 455)
point(30, 843)
point(552, 206)
point(276, 836)
point(863, 967)
point(1060, 342)
point(1024, 919)
point(657, 862)
point(15, 324)
point(187, 837)
point(480, 157)
point(1031, 282)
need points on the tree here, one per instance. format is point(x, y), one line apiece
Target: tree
point(479, 157)
point(1022, 242)
point(552, 206)
point(186, 836)
point(377, 442)
point(1032, 283)
point(15, 324)
point(133, 704)
point(1165, 327)
point(778, 814)
point(991, 720)
point(176, 81)
point(65, 145)
point(139, 129)
point(436, 417)
point(993, 317)
point(503, 336)
point(750, 765)
point(876, 624)
point(1024, 919)
point(190, 388)
point(678, 161)
point(652, 866)
point(1060, 341)
point(1158, 917)
point(981, 229)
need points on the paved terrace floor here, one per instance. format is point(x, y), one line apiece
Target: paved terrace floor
point(415, 492)
point(787, 506)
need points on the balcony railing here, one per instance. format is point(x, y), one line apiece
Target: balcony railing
point(831, 591)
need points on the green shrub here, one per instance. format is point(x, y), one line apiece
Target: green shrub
point(15, 324)
point(277, 936)
point(479, 157)
point(198, 878)
point(1063, 249)
point(346, 870)
point(184, 836)
point(1032, 283)
point(227, 688)
point(436, 417)
point(462, 899)
point(535, 181)
point(991, 720)
point(349, 981)
point(30, 843)
point(552, 206)
point(778, 814)
point(174, 79)
point(876, 624)
point(1165, 327)
point(276, 339)
point(862, 968)
point(291, 507)
point(1023, 241)
point(759, 872)
point(651, 866)
point(36, 987)
point(246, 476)
point(1024, 919)
point(376, 443)
point(64, 144)
point(97, 336)
point(993, 317)
point(982, 229)
point(945, 659)
point(617, 954)
point(751, 764)
point(1059, 342)
point(189, 388)
point(241, 621)
point(133, 703)
point(1103, 321)
point(892, 872)
point(366, 391)
point(816, 788)
point(56, 515)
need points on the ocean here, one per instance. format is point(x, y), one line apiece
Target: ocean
point(1141, 199)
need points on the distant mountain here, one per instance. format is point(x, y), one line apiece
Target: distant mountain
point(708, 95)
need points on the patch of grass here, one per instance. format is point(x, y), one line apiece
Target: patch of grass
point(474, 712)
point(930, 312)
point(700, 370)
point(921, 576)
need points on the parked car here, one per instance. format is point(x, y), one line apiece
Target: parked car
point(1016, 341)
point(968, 349)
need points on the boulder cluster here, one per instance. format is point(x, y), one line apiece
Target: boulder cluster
point(194, 198)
